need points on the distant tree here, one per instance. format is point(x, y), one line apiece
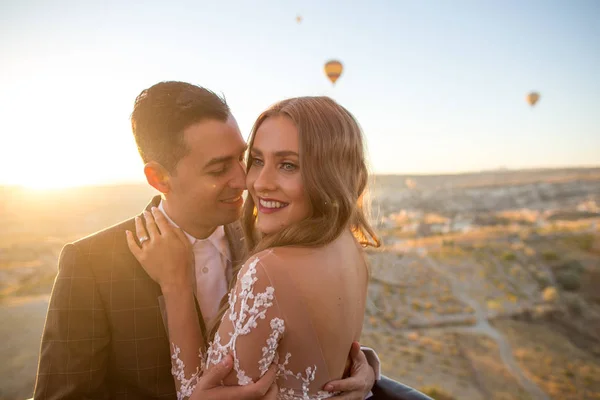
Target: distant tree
point(550, 256)
point(585, 242)
point(542, 281)
point(596, 244)
point(575, 304)
point(568, 279)
point(574, 266)
point(590, 286)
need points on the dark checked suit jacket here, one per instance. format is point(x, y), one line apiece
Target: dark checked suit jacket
point(105, 335)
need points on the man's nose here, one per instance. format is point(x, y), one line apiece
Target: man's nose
point(239, 179)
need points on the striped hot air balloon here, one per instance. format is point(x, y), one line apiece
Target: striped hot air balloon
point(333, 70)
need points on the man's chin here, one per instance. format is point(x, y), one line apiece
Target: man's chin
point(231, 216)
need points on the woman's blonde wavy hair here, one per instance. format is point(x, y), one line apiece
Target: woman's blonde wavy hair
point(334, 174)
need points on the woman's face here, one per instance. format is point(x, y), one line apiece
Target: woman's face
point(274, 179)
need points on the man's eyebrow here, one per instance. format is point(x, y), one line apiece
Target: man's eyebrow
point(218, 160)
point(223, 159)
point(283, 153)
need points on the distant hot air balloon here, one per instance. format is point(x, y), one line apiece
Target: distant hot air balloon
point(533, 98)
point(333, 70)
point(298, 18)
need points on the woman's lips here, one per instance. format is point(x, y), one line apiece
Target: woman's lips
point(269, 206)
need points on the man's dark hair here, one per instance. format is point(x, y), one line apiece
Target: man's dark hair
point(162, 112)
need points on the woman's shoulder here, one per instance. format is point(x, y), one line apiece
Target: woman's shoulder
point(345, 242)
point(342, 247)
point(285, 254)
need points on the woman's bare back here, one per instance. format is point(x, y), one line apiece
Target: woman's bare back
point(305, 306)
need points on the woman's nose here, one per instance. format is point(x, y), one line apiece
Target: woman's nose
point(265, 181)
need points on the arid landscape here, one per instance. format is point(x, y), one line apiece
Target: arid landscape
point(487, 285)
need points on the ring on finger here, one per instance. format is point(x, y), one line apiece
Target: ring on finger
point(143, 239)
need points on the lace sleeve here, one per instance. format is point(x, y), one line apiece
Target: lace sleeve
point(252, 327)
point(186, 339)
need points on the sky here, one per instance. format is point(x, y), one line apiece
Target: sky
point(437, 86)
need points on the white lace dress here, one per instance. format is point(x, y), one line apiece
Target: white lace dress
point(273, 318)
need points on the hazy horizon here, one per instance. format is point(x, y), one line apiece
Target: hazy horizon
point(374, 175)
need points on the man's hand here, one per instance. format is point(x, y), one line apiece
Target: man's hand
point(209, 386)
point(361, 381)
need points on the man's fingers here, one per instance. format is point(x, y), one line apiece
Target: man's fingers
point(263, 389)
point(344, 385)
point(355, 351)
point(213, 377)
point(348, 396)
point(263, 384)
point(359, 360)
point(358, 357)
point(133, 246)
point(272, 393)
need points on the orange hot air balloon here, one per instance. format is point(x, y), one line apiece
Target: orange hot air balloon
point(299, 18)
point(333, 70)
point(533, 98)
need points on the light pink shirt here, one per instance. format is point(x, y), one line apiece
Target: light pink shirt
point(211, 268)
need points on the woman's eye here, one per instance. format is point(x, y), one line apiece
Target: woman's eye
point(257, 161)
point(289, 166)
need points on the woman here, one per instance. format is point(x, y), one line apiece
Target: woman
point(299, 299)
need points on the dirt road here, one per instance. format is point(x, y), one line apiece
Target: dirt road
point(482, 326)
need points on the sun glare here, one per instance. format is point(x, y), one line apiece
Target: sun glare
point(48, 185)
point(52, 177)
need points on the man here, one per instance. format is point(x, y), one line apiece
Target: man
point(105, 334)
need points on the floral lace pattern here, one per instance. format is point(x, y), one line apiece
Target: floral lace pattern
point(178, 371)
point(251, 308)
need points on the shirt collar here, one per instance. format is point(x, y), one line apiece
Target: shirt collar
point(217, 238)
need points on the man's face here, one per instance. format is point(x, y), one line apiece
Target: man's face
point(207, 185)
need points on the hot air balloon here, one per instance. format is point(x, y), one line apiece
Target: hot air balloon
point(533, 98)
point(333, 70)
point(298, 18)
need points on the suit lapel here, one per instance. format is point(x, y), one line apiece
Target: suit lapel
point(153, 203)
point(237, 245)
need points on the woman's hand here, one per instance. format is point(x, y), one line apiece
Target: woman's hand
point(164, 251)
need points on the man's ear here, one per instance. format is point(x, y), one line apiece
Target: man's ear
point(157, 176)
